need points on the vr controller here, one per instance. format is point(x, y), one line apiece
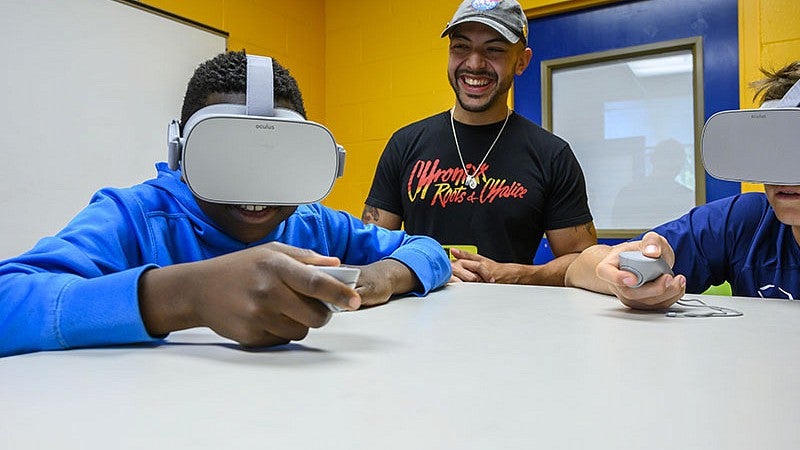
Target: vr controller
point(347, 275)
point(644, 267)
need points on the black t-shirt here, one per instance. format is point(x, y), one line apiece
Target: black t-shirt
point(529, 183)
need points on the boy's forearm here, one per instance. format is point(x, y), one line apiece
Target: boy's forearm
point(402, 279)
point(162, 300)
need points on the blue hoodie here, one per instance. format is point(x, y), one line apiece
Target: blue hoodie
point(79, 288)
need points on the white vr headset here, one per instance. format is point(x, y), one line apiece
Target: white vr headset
point(756, 145)
point(255, 153)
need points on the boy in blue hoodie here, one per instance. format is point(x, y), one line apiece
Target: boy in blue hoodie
point(139, 263)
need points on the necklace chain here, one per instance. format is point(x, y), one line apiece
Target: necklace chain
point(470, 180)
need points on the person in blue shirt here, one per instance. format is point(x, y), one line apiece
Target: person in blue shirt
point(750, 240)
point(139, 263)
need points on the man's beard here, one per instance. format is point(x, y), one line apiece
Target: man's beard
point(476, 108)
point(501, 88)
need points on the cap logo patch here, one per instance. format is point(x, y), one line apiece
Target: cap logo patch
point(484, 5)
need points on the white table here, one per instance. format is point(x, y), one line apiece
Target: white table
point(472, 366)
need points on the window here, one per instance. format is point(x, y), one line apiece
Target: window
point(632, 117)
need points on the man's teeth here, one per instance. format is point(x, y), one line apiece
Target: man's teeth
point(255, 208)
point(476, 81)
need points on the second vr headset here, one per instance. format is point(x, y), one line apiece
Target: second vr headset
point(756, 145)
point(255, 153)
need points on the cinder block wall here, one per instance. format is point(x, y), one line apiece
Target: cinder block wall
point(368, 67)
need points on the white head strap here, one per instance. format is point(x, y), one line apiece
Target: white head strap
point(260, 81)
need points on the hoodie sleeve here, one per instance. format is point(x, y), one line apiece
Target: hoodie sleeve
point(76, 289)
point(359, 244)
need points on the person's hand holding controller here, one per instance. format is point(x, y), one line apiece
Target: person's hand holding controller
point(262, 296)
point(659, 293)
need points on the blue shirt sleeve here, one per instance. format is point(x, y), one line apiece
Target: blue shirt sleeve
point(78, 288)
point(708, 238)
point(356, 243)
point(48, 310)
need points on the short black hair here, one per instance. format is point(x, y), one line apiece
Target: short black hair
point(226, 73)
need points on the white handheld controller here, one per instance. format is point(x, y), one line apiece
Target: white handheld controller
point(644, 267)
point(347, 275)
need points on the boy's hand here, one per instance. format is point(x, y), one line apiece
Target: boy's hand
point(262, 296)
point(382, 279)
point(657, 294)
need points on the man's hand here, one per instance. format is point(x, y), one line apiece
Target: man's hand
point(262, 296)
point(657, 294)
point(476, 268)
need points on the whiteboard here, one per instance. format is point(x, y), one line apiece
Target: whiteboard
point(89, 88)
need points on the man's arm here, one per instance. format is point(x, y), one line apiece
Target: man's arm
point(566, 244)
point(381, 217)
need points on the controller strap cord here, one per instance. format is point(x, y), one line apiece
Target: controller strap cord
point(694, 307)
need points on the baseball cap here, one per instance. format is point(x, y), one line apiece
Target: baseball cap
point(505, 16)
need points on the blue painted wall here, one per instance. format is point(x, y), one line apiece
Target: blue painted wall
point(634, 23)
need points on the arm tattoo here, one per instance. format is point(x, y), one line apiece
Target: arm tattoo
point(590, 228)
point(370, 214)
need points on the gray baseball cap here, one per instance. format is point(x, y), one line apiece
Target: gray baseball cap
point(505, 16)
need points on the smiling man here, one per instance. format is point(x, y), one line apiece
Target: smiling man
point(479, 175)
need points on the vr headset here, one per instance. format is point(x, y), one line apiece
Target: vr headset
point(756, 145)
point(255, 153)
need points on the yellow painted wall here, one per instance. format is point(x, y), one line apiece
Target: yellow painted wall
point(291, 32)
point(365, 67)
point(387, 67)
point(368, 67)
